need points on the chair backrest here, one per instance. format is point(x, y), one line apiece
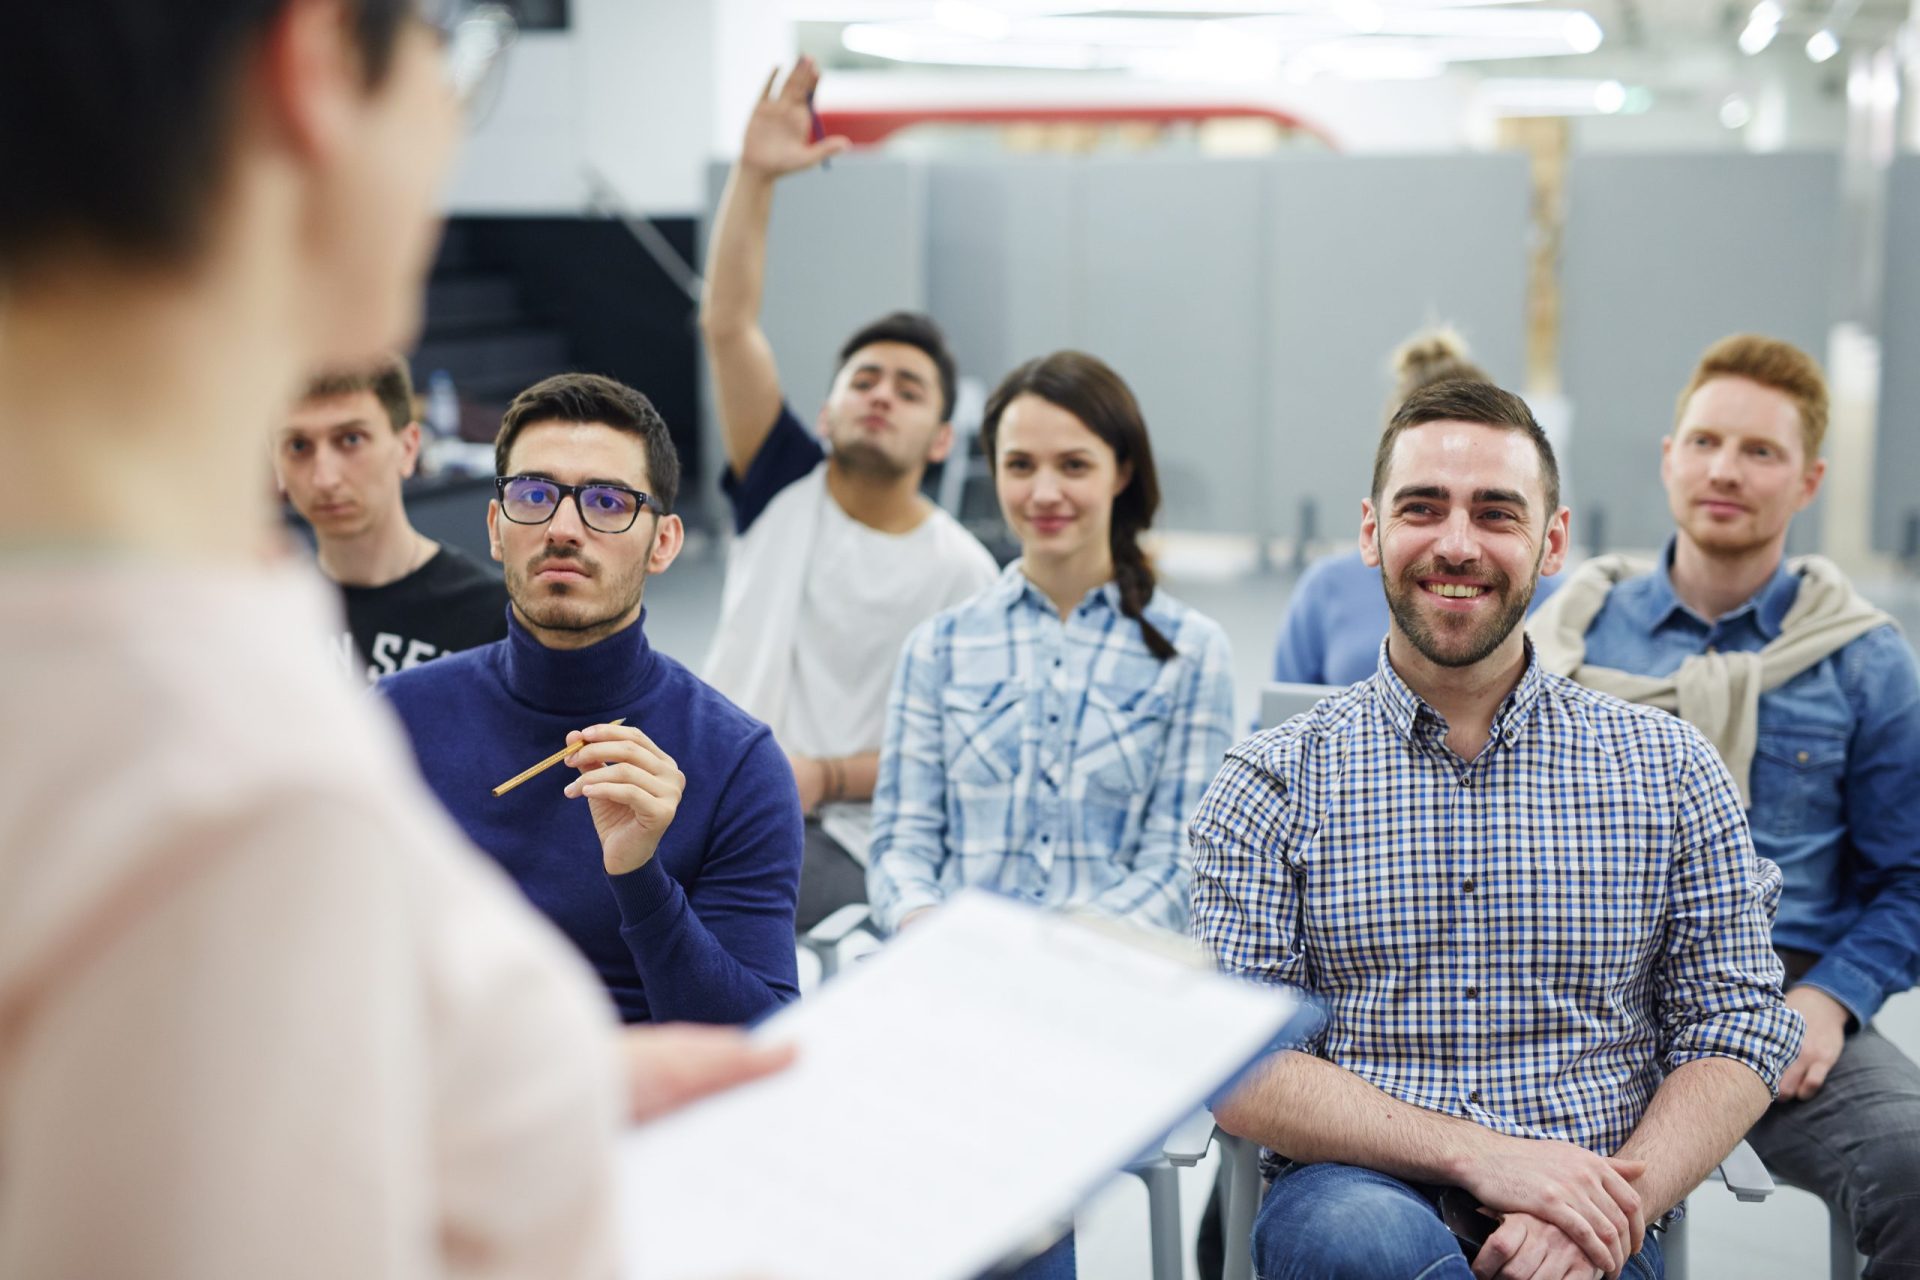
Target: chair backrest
point(1281, 700)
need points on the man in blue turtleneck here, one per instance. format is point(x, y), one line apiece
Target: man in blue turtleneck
point(667, 847)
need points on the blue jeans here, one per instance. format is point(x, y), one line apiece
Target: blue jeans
point(1057, 1263)
point(1338, 1222)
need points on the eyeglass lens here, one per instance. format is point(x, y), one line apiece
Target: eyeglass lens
point(604, 509)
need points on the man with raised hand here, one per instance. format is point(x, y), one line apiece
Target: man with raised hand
point(1532, 911)
point(1811, 695)
point(837, 554)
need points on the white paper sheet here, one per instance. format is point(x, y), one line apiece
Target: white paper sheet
point(954, 1093)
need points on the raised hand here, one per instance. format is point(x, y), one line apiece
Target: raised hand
point(779, 138)
point(1588, 1197)
point(632, 788)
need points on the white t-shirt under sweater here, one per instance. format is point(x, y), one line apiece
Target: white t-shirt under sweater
point(266, 1012)
point(817, 606)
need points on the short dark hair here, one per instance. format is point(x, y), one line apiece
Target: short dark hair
point(915, 330)
point(116, 115)
point(1463, 400)
point(389, 381)
point(589, 397)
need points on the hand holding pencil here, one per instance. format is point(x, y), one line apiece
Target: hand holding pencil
point(632, 789)
point(784, 134)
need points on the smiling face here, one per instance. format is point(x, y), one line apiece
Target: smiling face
point(882, 416)
point(340, 462)
point(1056, 480)
point(572, 585)
point(1461, 535)
point(1736, 469)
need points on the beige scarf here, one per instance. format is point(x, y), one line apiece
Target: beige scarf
point(1717, 693)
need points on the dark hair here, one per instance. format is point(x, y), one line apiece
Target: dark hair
point(116, 116)
point(388, 380)
point(588, 397)
point(915, 330)
point(1463, 401)
point(1088, 389)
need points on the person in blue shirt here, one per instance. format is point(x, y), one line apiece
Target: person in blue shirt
point(1050, 738)
point(1811, 694)
point(668, 849)
point(1337, 613)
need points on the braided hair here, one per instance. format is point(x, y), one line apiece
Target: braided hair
point(1087, 388)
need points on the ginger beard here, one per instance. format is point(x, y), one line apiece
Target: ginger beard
point(1449, 639)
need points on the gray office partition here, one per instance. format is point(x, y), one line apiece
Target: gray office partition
point(1361, 252)
point(1662, 256)
point(1002, 272)
point(846, 245)
point(1174, 298)
point(1896, 497)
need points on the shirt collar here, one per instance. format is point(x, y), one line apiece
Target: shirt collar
point(1015, 587)
point(1768, 606)
point(1405, 708)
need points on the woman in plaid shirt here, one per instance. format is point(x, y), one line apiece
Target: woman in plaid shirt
point(1050, 738)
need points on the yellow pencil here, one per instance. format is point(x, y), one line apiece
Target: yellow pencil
point(544, 765)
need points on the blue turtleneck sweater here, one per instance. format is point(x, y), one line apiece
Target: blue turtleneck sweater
point(704, 931)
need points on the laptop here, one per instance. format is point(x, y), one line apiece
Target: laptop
point(1282, 700)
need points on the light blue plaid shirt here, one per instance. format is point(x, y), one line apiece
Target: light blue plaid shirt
point(1056, 761)
point(1530, 939)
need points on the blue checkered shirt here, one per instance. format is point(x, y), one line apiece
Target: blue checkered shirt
point(1053, 760)
point(1530, 939)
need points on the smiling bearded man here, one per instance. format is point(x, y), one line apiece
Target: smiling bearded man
point(1532, 911)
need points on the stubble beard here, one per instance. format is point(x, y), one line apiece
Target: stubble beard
point(1457, 646)
point(571, 607)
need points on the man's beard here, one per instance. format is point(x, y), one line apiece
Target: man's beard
point(863, 458)
point(1466, 642)
point(566, 606)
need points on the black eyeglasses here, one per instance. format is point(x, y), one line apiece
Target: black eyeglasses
point(604, 508)
point(476, 37)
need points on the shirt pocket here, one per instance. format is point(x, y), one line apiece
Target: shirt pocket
point(980, 725)
point(1798, 781)
point(1122, 739)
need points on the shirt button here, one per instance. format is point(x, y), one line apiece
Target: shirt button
point(1046, 839)
point(1053, 719)
point(1466, 781)
point(1802, 757)
point(1467, 885)
point(1473, 993)
point(1474, 1097)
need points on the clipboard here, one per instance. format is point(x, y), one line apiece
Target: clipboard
point(955, 1093)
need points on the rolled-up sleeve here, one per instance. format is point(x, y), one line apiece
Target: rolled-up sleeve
point(909, 840)
point(1719, 981)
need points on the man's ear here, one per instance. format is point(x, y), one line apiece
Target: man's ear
point(1553, 556)
point(942, 443)
point(493, 530)
point(1810, 482)
point(409, 449)
point(1666, 460)
point(669, 536)
point(312, 69)
point(1369, 534)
